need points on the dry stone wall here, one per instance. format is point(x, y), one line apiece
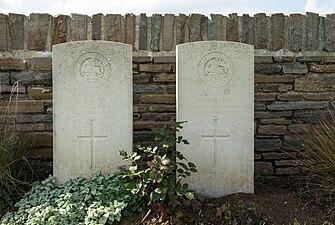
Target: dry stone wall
point(294, 71)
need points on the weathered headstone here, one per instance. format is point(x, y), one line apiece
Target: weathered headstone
point(92, 107)
point(215, 95)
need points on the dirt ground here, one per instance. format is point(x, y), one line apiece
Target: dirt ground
point(276, 201)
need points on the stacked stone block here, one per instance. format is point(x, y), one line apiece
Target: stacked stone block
point(294, 71)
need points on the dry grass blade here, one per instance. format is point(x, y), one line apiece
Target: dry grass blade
point(15, 170)
point(319, 152)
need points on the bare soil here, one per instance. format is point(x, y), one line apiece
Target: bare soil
point(275, 201)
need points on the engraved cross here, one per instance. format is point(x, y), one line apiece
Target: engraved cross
point(215, 136)
point(92, 138)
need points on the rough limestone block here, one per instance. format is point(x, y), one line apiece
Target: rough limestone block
point(130, 29)
point(59, 29)
point(195, 27)
point(278, 31)
point(219, 27)
point(312, 24)
point(111, 27)
point(296, 32)
point(329, 33)
point(96, 26)
point(262, 32)
point(38, 31)
point(143, 32)
point(78, 28)
point(4, 34)
point(315, 82)
point(156, 24)
point(16, 30)
point(181, 28)
point(248, 34)
point(232, 29)
point(92, 125)
point(168, 32)
point(219, 108)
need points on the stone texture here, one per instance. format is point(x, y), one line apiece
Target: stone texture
point(195, 27)
point(315, 82)
point(142, 136)
point(277, 87)
point(296, 26)
point(78, 27)
point(16, 30)
point(248, 34)
point(143, 45)
point(259, 78)
point(181, 28)
point(272, 129)
point(12, 64)
point(262, 31)
point(4, 78)
point(168, 32)
point(267, 144)
point(284, 58)
point(268, 68)
point(40, 139)
point(147, 125)
point(141, 78)
point(38, 30)
point(276, 155)
point(278, 31)
point(29, 127)
point(219, 113)
point(263, 168)
point(329, 34)
point(130, 29)
point(156, 68)
point(40, 64)
point(290, 96)
point(295, 68)
point(22, 106)
point(263, 97)
point(277, 121)
point(322, 68)
point(146, 89)
point(162, 108)
point(165, 59)
point(263, 59)
point(111, 28)
point(297, 105)
point(60, 24)
point(96, 26)
point(164, 78)
point(268, 115)
point(312, 24)
point(94, 124)
point(309, 58)
point(4, 34)
point(40, 92)
point(159, 116)
point(31, 78)
point(232, 28)
point(291, 142)
point(156, 23)
point(287, 171)
point(33, 118)
point(157, 98)
point(219, 27)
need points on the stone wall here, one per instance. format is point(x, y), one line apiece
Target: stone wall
point(294, 70)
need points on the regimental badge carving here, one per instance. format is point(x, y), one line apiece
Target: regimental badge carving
point(92, 69)
point(215, 69)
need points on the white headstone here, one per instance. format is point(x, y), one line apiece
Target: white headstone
point(92, 107)
point(215, 95)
